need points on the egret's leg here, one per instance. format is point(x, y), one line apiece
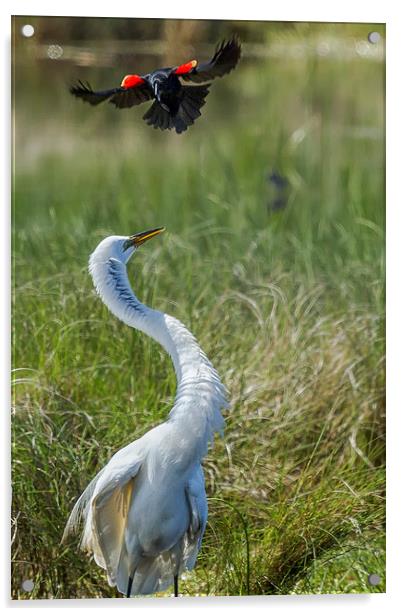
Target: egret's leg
point(130, 583)
point(176, 585)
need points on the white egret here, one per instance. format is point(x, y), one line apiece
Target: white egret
point(144, 514)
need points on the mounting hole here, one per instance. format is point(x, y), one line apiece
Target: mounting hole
point(374, 579)
point(27, 585)
point(374, 37)
point(27, 30)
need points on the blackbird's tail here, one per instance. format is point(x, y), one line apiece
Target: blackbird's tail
point(191, 103)
point(158, 117)
point(192, 99)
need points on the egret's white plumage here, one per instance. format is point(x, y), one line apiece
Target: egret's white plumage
point(144, 514)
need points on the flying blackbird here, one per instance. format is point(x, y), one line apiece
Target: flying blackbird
point(175, 105)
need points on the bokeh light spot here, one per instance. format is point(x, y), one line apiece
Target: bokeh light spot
point(54, 52)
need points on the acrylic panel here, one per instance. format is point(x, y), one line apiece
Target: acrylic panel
point(241, 350)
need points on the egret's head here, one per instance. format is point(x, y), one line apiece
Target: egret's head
point(121, 247)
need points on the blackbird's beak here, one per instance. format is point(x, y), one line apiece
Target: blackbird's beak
point(139, 238)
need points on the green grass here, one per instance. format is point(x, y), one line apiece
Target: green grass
point(288, 304)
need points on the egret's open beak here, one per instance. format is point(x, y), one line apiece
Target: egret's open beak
point(144, 236)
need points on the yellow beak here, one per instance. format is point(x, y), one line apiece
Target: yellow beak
point(139, 238)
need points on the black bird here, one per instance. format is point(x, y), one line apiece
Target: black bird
point(176, 105)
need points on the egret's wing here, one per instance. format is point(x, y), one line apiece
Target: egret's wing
point(223, 61)
point(104, 505)
point(80, 509)
point(197, 501)
point(110, 505)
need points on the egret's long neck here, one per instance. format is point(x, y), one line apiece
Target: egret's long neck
point(200, 393)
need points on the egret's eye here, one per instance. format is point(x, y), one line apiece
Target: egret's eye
point(127, 245)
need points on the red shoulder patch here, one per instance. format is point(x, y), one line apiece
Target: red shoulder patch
point(185, 68)
point(131, 81)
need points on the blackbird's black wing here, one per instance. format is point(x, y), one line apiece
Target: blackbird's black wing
point(224, 60)
point(120, 97)
point(128, 97)
point(85, 92)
